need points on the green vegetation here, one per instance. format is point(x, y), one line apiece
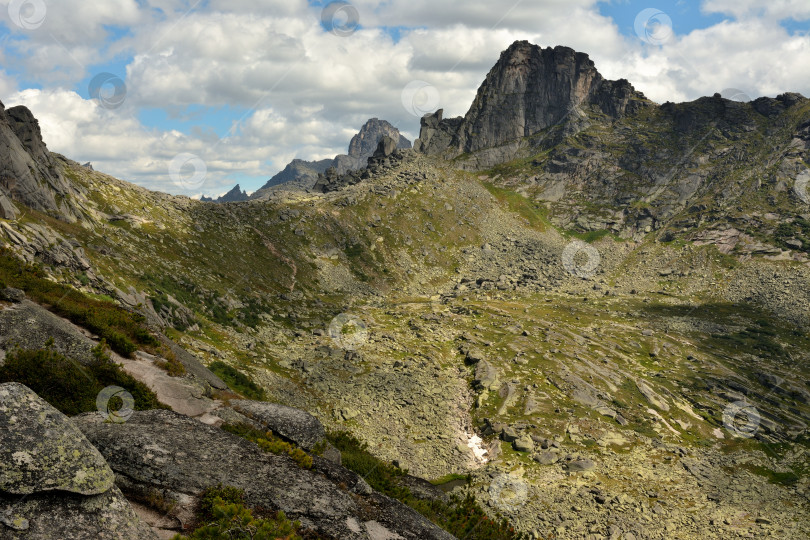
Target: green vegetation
point(223, 516)
point(190, 296)
point(452, 477)
point(520, 205)
point(758, 339)
point(591, 236)
point(237, 381)
point(70, 386)
point(208, 498)
point(123, 331)
point(463, 517)
point(171, 364)
point(798, 229)
point(355, 250)
point(270, 443)
point(780, 478)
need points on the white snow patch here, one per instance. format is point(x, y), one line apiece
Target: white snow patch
point(474, 444)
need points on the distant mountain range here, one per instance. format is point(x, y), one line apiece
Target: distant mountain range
point(300, 174)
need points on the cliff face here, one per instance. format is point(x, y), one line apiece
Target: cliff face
point(529, 90)
point(599, 156)
point(29, 174)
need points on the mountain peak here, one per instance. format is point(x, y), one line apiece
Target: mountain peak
point(300, 174)
point(234, 195)
point(527, 91)
point(365, 142)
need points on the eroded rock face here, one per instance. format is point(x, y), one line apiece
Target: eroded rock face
point(364, 144)
point(529, 89)
point(179, 457)
point(436, 133)
point(53, 482)
point(300, 174)
point(7, 208)
point(26, 127)
point(28, 172)
point(293, 424)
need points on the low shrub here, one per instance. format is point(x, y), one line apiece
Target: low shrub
point(123, 330)
point(270, 443)
point(70, 386)
point(171, 364)
point(211, 494)
point(223, 516)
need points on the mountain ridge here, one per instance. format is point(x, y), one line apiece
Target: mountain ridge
point(300, 174)
point(600, 325)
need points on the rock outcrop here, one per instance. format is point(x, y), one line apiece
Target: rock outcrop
point(29, 326)
point(53, 482)
point(234, 195)
point(165, 452)
point(300, 174)
point(364, 144)
point(385, 157)
point(29, 174)
point(529, 90)
point(292, 424)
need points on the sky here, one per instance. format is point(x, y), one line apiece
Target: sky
point(193, 96)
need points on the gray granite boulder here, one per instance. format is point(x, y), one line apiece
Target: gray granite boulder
point(11, 294)
point(165, 452)
point(29, 326)
point(53, 482)
point(289, 423)
point(43, 451)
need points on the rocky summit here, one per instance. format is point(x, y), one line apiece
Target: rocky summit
point(571, 313)
point(529, 90)
point(300, 174)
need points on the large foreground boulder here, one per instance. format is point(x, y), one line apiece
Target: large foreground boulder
point(53, 482)
point(178, 457)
